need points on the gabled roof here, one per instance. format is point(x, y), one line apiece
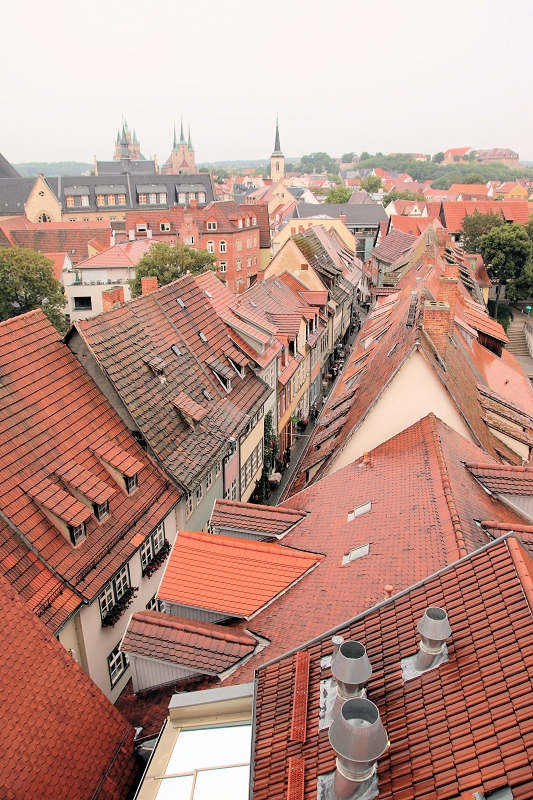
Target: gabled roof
point(47, 457)
point(503, 478)
point(201, 646)
point(149, 327)
point(450, 731)
point(231, 576)
point(265, 520)
point(72, 238)
point(395, 244)
point(123, 254)
point(355, 213)
point(453, 213)
point(57, 725)
point(14, 193)
point(6, 169)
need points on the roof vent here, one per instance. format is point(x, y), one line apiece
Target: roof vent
point(434, 629)
point(351, 669)
point(254, 305)
point(180, 302)
point(358, 737)
point(202, 336)
point(206, 394)
point(175, 349)
point(209, 294)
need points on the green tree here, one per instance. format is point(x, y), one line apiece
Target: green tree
point(203, 169)
point(221, 176)
point(319, 161)
point(475, 226)
point(395, 195)
point(338, 194)
point(168, 262)
point(528, 227)
point(507, 252)
point(473, 177)
point(27, 282)
point(371, 184)
point(365, 156)
point(347, 158)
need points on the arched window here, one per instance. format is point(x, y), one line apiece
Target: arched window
point(277, 166)
point(44, 217)
point(210, 247)
point(222, 246)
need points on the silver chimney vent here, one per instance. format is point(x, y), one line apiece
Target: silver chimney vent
point(336, 642)
point(434, 629)
point(358, 737)
point(351, 670)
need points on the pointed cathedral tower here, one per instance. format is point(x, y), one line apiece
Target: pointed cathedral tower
point(181, 160)
point(277, 159)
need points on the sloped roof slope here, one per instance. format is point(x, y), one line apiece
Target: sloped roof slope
point(61, 736)
point(462, 727)
point(6, 169)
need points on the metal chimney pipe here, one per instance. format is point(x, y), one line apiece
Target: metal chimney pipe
point(358, 737)
point(351, 669)
point(336, 641)
point(434, 629)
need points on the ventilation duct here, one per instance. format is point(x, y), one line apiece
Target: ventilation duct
point(434, 629)
point(351, 670)
point(358, 737)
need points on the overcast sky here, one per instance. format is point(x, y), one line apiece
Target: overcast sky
point(384, 75)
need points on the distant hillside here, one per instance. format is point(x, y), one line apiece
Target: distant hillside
point(229, 166)
point(57, 168)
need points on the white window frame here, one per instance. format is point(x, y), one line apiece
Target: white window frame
point(223, 266)
point(211, 226)
point(164, 226)
point(131, 482)
point(210, 247)
point(182, 197)
point(189, 504)
point(152, 545)
point(208, 481)
point(201, 197)
point(163, 197)
point(85, 200)
point(142, 199)
point(152, 198)
point(117, 664)
point(199, 494)
point(121, 200)
point(218, 470)
point(222, 246)
point(113, 591)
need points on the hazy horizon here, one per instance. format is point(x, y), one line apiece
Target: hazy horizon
point(343, 76)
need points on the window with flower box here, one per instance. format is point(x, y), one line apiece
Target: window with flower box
point(154, 604)
point(117, 663)
point(154, 551)
point(116, 597)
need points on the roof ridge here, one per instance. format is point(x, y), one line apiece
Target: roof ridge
point(248, 544)
point(258, 507)
point(171, 621)
point(496, 466)
point(446, 485)
point(522, 571)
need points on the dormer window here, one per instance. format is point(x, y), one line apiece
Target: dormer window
point(77, 533)
point(211, 226)
point(142, 199)
point(101, 510)
point(131, 483)
point(239, 224)
point(247, 222)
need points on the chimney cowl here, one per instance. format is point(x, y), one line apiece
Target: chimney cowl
point(358, 737)
point(351, 669)
point(434, 629)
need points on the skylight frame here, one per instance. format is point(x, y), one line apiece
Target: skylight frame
point(359, 511)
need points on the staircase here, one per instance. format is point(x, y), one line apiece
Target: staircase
point(517, 340)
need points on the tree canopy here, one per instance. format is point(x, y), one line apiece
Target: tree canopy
point(319, 161)
point(27, 282)
point(168, 262)
point(347, 158)
point(395, 195)
point(371, 184)
point(506, 251)
point(438, 157)
point(338, 194)
point(475, 226)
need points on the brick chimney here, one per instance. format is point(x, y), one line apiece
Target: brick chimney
point(448, 294)
point(149, 285)
point(112, 296)
point(342, 218)
point(437, 324)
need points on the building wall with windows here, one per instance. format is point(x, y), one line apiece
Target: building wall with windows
point(95, 647)
point(199, 503)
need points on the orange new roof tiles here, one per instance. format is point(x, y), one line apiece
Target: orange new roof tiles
point(464, 726)
point(231, 576)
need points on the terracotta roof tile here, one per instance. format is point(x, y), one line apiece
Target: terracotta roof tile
point(232, 576)
point(200, 646)
point(271, 521)
point(448, 735)
point(56, 722)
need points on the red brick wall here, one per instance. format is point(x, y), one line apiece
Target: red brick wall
point(149, 284)
point(112, 296)
point(448, 294)
point(436, 324)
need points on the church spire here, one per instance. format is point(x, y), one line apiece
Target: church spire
point(182, 137)
point(277, 148)
point(189, 144)
point(175, 145)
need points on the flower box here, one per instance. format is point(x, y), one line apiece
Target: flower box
point(159, 558)
point(115, 613)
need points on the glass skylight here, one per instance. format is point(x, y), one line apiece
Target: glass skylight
point(357, 512)
point(208, 763)
point(357, 552)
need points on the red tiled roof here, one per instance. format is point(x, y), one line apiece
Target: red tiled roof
point(469, 188)
point(123, 254)
point(196, 645)
point(42, 378)
point(58, 237)
point(61, 736)
point(58, 261)
point(87, 483)
point(268, 520)
point(503, 478)
point(189, 407)
point(232, 576)
point(482, 322)
point(108, 451)
point(453, 213)
point(450, 731)
point(393, 246)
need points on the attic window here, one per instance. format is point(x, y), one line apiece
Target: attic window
point(237, 367)
point(180, 302)
point(359, 511)
point(175, 349)
point(131, 483)
point(357, 552)
point(156, 364)
point(77, 533)
point(202, 336)
point(101, 510)
point(206, 394)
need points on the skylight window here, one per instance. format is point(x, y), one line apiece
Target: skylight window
point(254, 305)
point(209, 294)
point(359, 511)
point(206, 394)
point(175, 349)
point(202, 336)
point(357, 552)
point(391, 351)
point(180, 302)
